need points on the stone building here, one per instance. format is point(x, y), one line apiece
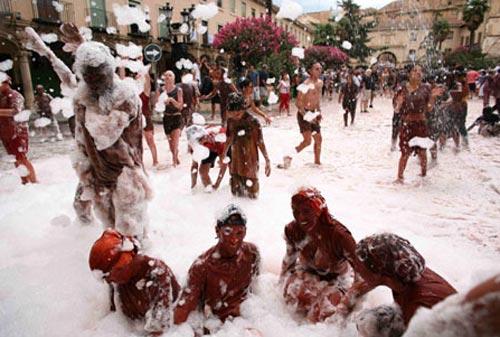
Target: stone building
point(403, 25)
point(45, 17)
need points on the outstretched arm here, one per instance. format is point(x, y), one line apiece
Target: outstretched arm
point(32, 41)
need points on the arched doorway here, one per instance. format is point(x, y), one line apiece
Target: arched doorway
point(387, 59)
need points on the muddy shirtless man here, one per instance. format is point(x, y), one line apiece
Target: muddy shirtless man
point(309, 113)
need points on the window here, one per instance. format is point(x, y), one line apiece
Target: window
point(162, 26)
point(134, 29)
point(45, 11)
point(219, 3)
point(253, 12)
point(97, 12)
point(243, 9)
point(219, 27)
point(412, 55)
point(479, 38)
point(232, 6)
point(450, 36)
point(467, 39)
point(462, 41)
point(413, 36)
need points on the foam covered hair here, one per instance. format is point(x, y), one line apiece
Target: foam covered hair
point(391, 255)
point(231, 215)
point(93, 54)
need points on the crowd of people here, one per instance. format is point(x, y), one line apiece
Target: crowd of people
point(325, 271)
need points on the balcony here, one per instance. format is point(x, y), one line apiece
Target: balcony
point(100, 19)
point(45, 12)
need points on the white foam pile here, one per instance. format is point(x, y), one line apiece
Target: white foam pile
point(205, 11)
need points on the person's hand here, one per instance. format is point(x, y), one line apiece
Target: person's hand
point(268, 120)
point(437, 91)
point(268, 167)
point(319, 118)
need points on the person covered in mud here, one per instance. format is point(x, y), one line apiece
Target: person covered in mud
point(247, 89)
point(222, 87)
point(309, 114)
point(349, 98)
point(108, 134)
point(14, 134)
point(221, 278)
point(412, 102)
point(146, 286)
point(389, 260)
point(315, 270)
point(213, 139)
point(472, 314)
point(245, 140)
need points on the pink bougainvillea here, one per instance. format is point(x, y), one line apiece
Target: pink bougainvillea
point(325, 54)
point(254, 39)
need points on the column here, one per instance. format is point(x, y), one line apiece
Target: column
point(24, 65)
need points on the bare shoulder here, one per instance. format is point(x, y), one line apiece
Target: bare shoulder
point(251, 248)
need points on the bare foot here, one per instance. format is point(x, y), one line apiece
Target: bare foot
point(399, 181)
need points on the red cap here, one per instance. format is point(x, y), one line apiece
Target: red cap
point(106, 251)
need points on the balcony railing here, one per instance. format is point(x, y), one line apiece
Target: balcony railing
point(100, 19)
point(45, 12)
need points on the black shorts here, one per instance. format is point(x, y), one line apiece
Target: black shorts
point(213, 156)
point(172, 122)
point(472, 87)
point(210, 159)
point(306, 126)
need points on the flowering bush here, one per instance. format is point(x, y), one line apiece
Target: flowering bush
point(327, 55)
point(254, 39)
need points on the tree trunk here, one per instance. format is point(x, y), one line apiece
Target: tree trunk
point(269, 8)
point(471, 41)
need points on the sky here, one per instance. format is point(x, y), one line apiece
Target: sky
point(318, 5)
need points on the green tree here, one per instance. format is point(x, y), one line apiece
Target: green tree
point(352, 28)
point(440, 30)
point(473, 15)
point(324, 34)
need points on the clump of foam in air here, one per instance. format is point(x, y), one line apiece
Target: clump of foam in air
point(111, 30)
point(59, 7)
point(205, 11)
point(298, 52)
point(132, 51)
point(6, 65)
point(49, 38)
point(289, 10)
point(347, 45)
point(126, 15)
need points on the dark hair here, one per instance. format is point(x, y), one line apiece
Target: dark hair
point(244, 82)
point(235, 102)
point(232, 215)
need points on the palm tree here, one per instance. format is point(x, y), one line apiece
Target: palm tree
point(440, 30)
point(473, 15)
